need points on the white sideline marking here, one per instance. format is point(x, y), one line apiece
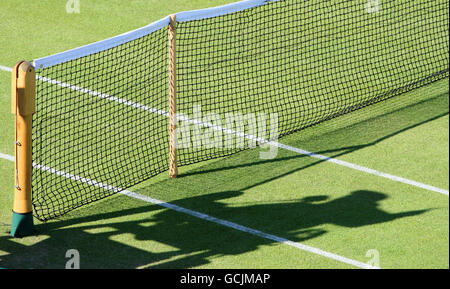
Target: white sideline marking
point(103, 95)
point(6, 157)
point(243, 135)
point(4, 68)
point(201, 216)
point(362, 169)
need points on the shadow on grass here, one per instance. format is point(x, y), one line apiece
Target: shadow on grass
point(189, 241)
point(121, 233)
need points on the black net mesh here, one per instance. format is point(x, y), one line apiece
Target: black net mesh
point(98, 125)
point(101, 123)
point(307, 61)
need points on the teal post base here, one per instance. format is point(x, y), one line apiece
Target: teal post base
point(22, 225)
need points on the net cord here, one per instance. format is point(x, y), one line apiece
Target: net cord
point(102, 45)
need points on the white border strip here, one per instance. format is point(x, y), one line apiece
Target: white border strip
point(4, 68)
point(103, 95)
point(220, 10)
point(202, 216)
point(100, 45)
point(361, 168)
point(6, 157)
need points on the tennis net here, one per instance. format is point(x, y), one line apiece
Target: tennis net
point(101, 121)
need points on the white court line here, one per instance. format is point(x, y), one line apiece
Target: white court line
point(247, 136)
point(250, 137)
point(201, 216)
point(363, 169)
point(6, 157)
point(210, 218)
point(4, 68)
point(103, 95)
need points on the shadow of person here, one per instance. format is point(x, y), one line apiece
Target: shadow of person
point(360, 208)
point(291, 218)
point(193, 241)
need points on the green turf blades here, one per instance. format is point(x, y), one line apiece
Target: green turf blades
point(22, 225)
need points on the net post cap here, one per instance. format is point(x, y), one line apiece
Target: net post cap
point(23, 88)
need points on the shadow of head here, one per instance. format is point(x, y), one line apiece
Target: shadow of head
point(361, 208)
point(366, 196)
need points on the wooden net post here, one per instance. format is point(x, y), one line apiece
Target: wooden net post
point(23, 90)
point(173, 171)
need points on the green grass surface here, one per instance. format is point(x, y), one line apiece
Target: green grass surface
point(307, 68)
point(302, 199)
